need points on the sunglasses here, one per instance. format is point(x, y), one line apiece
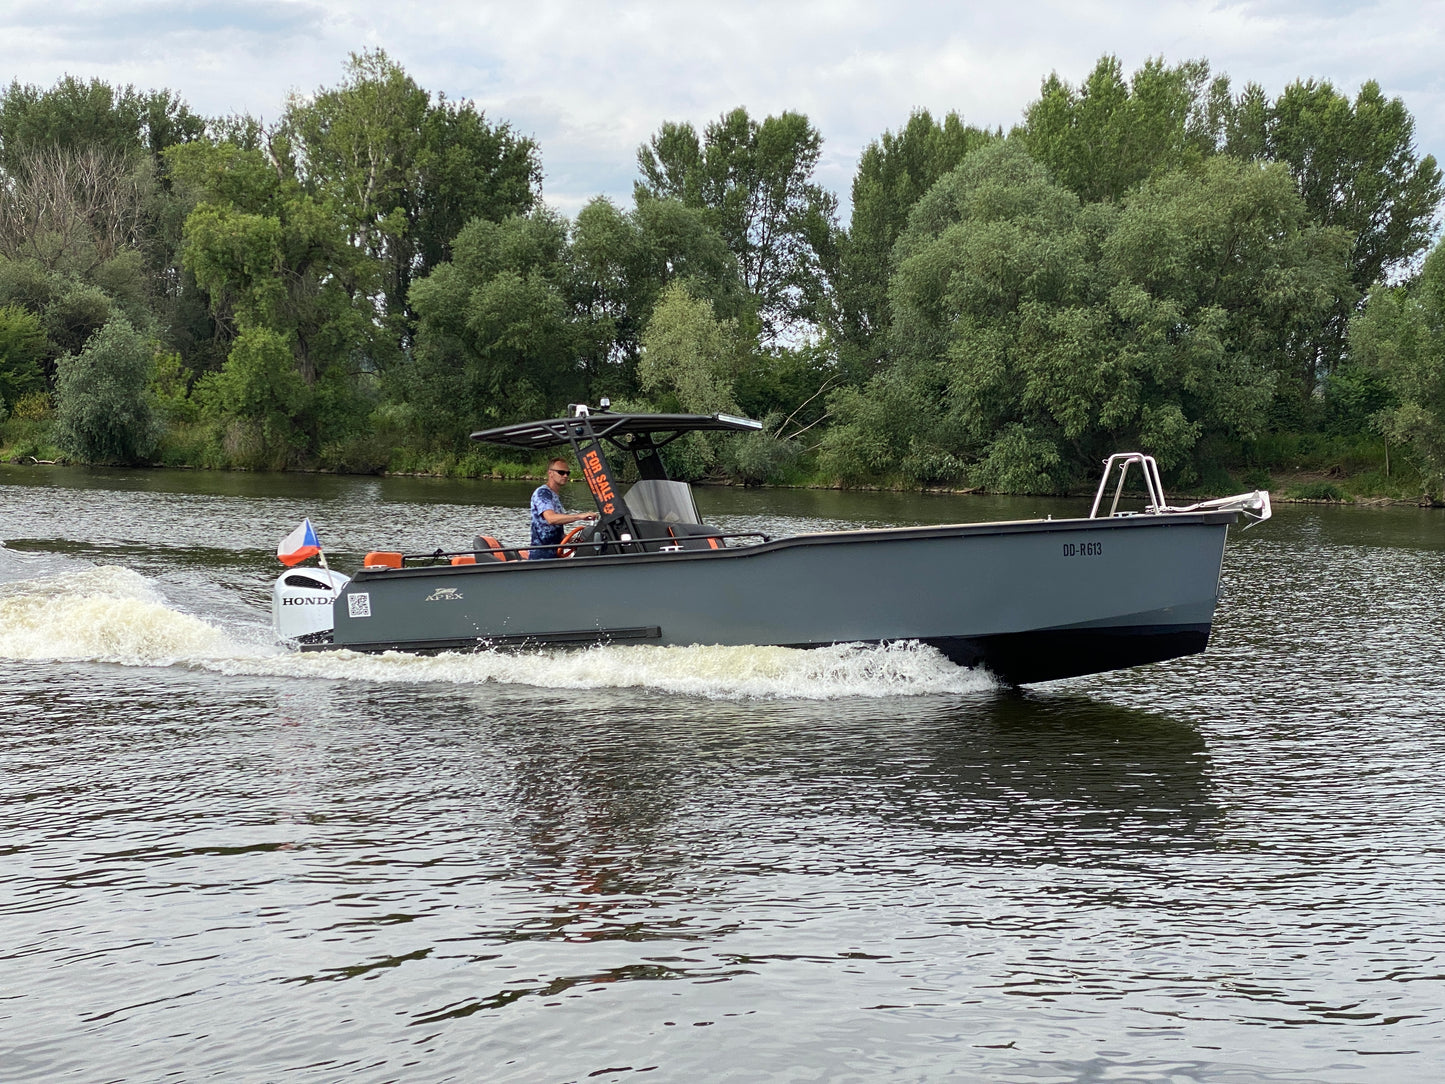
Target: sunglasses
point(563, 473)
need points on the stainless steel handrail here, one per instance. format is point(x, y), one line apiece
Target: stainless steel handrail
point(1254, 506)
point(1152, 484)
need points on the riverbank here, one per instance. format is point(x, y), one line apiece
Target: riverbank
point(1295, 487)
point(1327, 474)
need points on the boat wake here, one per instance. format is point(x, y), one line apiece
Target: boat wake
point(104, 614)
point(109, 614)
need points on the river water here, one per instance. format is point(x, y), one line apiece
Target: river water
point(220, 860)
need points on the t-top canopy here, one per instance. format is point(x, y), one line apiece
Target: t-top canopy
point(558, 431)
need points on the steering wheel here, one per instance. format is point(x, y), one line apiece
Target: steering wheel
point(570, 536)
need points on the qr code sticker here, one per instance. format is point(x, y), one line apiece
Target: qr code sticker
point(358, 604)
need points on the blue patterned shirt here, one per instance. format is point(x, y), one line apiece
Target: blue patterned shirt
point(544, 534)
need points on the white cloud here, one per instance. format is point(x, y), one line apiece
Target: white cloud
point(592, 80)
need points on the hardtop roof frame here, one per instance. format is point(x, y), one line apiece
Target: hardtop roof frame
point(556, 432)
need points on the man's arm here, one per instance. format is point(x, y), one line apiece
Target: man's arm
point(561, 519)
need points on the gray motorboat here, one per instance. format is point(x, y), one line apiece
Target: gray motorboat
point(1030, 600)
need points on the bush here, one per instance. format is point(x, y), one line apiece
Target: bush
point(361, 453)
point(104, 412)
point(1213, 480)
point(257, 396)
point(1018, 462)
point(184, 444)
point(882, 431)
point(473, 463)
point(1316, 491)
point(170, 386)
point(755, 458)
point(22, 346)
point(35, 407)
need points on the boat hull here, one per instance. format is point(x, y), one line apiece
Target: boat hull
point(1031, 601)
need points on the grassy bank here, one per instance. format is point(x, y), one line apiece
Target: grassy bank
point(1310, 468)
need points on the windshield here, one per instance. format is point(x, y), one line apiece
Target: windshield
point(662, 500)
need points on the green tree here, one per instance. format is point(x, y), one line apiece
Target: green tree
point(70, 309)
point(989, 253)
point(1356, 166)
point(622, 262)
point(894, 173)
point(1400, 338)
point(271, 257)
point(755, 181)
point(75, 114)
point(405, 171)
point(87, 194)
point(104, 413)
point(497, 338)
point(690, 361)
point(1220, 273)
point(1035, 333)
point(690, 358)
point(78, 207)
point(260, 397)
point(997, 317)
point(1109, 134)
point(75, 312)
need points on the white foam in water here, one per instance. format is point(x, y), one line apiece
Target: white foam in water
point(113, 615)
point(105, 614)
point(722, 673)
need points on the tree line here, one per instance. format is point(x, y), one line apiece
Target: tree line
point(1233, 282)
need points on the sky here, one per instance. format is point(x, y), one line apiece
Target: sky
point(592, 81)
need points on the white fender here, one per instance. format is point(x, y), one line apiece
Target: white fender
point(301, 603)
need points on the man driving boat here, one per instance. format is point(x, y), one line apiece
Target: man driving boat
point(549, 518)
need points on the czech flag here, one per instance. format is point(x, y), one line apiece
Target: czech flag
point(299, 545)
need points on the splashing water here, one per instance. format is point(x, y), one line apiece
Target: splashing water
point(113, 615)
point(104, 614)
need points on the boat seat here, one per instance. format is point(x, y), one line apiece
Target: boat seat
point(464, 559)
point(381, 559)
point(696, 536)
point(487, 548)
point(690, 536)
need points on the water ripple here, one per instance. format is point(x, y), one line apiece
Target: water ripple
point(222, 861)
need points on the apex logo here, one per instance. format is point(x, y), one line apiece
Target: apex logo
point(444, 594)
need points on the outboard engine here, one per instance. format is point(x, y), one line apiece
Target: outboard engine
point(301, 604)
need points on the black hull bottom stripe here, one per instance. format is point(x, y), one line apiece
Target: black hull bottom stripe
point(1021, 658)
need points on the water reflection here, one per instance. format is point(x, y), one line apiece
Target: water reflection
point(1128, 780)
point(619, 812)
